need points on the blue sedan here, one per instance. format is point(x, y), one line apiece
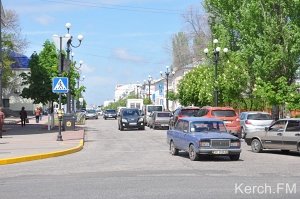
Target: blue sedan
point(203, 136)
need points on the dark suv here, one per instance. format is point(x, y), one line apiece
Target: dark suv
point(227, 114)
point(131, 118)
point(110, 113)
point(181, 112)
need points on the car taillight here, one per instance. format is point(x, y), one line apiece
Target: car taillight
point(237, 119)
point(247, 122)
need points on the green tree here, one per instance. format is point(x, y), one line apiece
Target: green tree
point(43, 68)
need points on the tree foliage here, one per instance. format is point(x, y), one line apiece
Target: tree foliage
point(261, 67)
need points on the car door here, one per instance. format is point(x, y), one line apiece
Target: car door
point(177, 134)
point(291, 136)
point(184, 141)
point(273, 137)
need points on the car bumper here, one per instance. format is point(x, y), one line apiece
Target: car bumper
point(219, 151)
point(132, 125)
point(110, 116)
point(236, 131)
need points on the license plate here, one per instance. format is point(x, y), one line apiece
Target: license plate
point(164, 125)
point(220, 152)
point(132, 124)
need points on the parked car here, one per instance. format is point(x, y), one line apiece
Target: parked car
point(198, 136)
point(159, 119)
point(91, 114)
point(283, 134)
point(130, 118)
point(227, 114)
point(183, 112)
point(254, 121)
point(110, 113)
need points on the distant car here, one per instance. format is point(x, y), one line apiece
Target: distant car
point(203, 136)
point(130, 118)
point(159, 119)
point(190, 111)
point(254, 121)
point(91, 114)
point(283, 134)
point(227, 114)
point(110, 113)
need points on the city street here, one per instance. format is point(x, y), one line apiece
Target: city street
point(137, 164)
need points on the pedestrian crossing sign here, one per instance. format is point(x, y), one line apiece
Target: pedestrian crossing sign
point(60, 85)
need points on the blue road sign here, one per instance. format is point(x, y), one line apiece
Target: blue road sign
point(60, 85)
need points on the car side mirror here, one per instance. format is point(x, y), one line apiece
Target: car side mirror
point(266, 128)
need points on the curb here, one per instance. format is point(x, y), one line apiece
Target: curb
point(43, 155)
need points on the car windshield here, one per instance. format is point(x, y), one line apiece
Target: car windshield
point(91, 111)
point(259, 116)
point(131, 113)
point(111, 111)
point(163, 114)
point(208, 126)
point(224, 113)
point(154, 108)
point(189, 112)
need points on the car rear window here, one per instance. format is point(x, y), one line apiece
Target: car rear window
point(163, 114)
point(224, 113)
point(91, 111)
point(111, 111)
point(189, 112)
point(259, 116)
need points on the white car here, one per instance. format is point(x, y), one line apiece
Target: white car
point(91, 114)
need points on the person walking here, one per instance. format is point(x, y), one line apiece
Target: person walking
point(2, 116)
point(23, 116)
point(37, 113)
point(41, 113)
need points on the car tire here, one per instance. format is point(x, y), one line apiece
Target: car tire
point(173, 149)
point(142, 128)
point(105, 118)
point(154, 127)
point(192, 153)
point(121, 128)
point(256, 146)
point(243, 133)
point(235, 157)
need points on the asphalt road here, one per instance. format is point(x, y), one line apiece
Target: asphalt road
point(137, 164)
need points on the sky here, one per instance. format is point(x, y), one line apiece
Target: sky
point(124, 40)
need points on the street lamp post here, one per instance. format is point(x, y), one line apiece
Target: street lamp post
point(167, 74)
point(137, 89)
point(149, 85)
point(78, 79)
point(216, 54)
point(69, 45)
point(60, 41)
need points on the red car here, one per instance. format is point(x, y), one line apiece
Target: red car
point(190, 111)
point(227, 114)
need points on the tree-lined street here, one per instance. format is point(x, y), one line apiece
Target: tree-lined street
point(137, 164)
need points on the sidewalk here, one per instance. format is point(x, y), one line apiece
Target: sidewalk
point(35, 141)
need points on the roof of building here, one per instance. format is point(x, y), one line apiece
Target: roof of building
point(19, 60)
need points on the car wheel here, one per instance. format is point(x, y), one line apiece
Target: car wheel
point(105, 118)
point(154, 127)
point(256, 146)
point(173, 150)
point(234, 157)
point(192, 153)
point(121, 128)
point(243, 133)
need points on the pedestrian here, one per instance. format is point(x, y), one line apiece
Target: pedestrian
point(37, 113)
point(2, 116)
point(41, 113)
point(23, 116)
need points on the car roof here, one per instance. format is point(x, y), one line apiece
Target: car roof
point(290, 119)
point(255, 112)
point(218, 107)
point(196, 119)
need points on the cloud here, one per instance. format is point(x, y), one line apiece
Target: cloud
point(122, 54)
point(87, 69)
point(44, 20)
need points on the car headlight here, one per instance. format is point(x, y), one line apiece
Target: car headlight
point(235, 143)
point(204, 143)
point(141, 119)
point(124, 120)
